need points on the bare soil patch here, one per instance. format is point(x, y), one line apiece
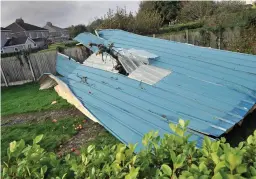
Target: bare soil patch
point(90, 131)
point(39, 116)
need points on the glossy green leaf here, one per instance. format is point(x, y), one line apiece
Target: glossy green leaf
point(38, 139)
point(241, 168)
point(172, 127)
point(250, 139)
point(12, 146)
point(182, 123)
point(215, 158)
point(219, 166)
point(217, 176)
point(166, 170)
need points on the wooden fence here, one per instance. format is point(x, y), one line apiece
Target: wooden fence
point(16, 70)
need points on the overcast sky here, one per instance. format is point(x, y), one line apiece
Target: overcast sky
point(60, 13)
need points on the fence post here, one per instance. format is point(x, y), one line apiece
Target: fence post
point(219, 39)
point(31, 69)
point(187, 35)
point(2, 73)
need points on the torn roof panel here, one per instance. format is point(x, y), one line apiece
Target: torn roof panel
point(119, 102)
point(86, 38)
point(104, 62)
point(213, 89)
point(149, 74)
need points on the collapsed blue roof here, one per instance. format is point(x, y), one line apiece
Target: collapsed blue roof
point(214, 89)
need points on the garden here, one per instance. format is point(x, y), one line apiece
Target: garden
point(27, 112)
point(45, 137)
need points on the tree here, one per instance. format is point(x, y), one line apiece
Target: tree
point(254, 5)
point(147, 22)
point(229, 7)
point(168, 10)
point(117, 20)
point(75, 30)
point(196, 10)
point(94, 24)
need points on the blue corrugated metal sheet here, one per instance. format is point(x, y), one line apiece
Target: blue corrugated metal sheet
point(213, 89)
point(122, 105)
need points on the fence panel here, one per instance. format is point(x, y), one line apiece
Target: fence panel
point(18, 71)
point(43, 63)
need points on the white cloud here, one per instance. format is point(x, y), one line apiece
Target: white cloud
point(60, 13)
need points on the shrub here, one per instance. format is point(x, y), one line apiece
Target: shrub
point(70, 44)
point(224, 20)
point(116, 20)
point(11, 54)
point(172, 156)
point(145, 22)
point(31, 161)
point(60, 49)
point(180, 27)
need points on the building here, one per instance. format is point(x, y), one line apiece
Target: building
point(5, 35)
point(16, 44)
point(56, 34)
point(37, 34)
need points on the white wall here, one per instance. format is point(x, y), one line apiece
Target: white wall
point(10, 49)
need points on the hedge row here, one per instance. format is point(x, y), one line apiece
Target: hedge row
point(180, 27)
point(70, 44)
point(171, 156)
point(3, 55)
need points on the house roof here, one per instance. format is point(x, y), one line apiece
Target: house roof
point(51, 27)
point(20, 25)
point(213, 89)
point(5, 29)
point(15, 41)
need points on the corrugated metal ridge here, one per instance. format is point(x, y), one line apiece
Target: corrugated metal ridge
point(187, 60)
point(243, 89)
point(213, 92)
point(216, 126)
point(85, 96)
point(152, 95)
point(206, 97)
point(115, 32)
point(190, 60)
point(215, 77)
point(181, 54)
point(172, 92)
point(154, 125)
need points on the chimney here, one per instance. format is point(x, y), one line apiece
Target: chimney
point(19, 21)
point(49, 23)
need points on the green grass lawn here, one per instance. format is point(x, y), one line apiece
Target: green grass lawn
point(28, 98)
point(55, 134)
point(53, 47)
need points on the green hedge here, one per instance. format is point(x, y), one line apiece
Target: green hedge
point(171, 156)
point(180, 27)
point(70, 44)
point(3, 55)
